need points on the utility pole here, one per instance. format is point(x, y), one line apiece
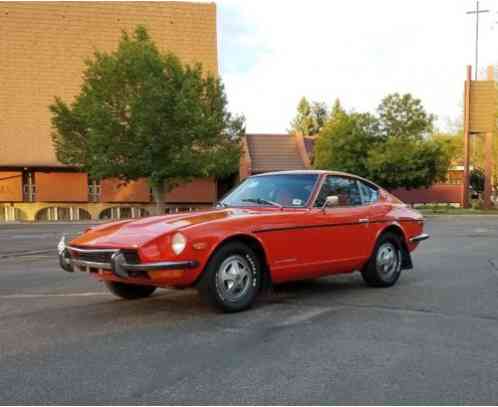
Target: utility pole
point(477, 12)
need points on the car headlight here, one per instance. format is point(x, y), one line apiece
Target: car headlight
point(178, 243)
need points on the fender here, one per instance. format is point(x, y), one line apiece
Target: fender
point(394, 225)
point(252, 240)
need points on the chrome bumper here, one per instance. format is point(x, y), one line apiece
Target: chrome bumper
point(121, 268)
point(419, 238)
point(118, 264)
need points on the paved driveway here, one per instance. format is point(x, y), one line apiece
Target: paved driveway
point(432, 338)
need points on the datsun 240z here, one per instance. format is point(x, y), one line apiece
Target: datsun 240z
point(272, 228)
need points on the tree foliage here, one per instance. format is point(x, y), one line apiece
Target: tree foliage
point(142, 113)
point(391, 148)
point(310, 118)
point(407, 163)
point(345, 139)
point(452, 143)
point(404, 116)
point(319, 116)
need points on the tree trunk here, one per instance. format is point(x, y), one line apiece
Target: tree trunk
point(158, 190)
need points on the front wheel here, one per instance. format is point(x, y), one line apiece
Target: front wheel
point(232, 278)
point(129, 291)
point(384, 266)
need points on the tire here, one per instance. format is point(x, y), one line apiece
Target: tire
point(129, 291)
point(384, 266)
point(232, 278)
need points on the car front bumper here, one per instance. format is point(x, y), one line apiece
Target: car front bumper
point(117, 263)
point(419, 238)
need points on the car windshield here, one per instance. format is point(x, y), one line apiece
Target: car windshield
point(279, 190)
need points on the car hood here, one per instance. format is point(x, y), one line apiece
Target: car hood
point(136, 233)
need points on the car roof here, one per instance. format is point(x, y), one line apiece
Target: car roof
point(316, 172)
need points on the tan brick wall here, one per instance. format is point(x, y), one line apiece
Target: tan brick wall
point(116, 191)
point(61, 187)
point(10, 186)
point(197, 191)
point(43, 45)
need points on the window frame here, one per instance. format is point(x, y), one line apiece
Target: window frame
point(369, 185)
point(352, 178)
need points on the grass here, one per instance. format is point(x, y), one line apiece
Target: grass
point(451, 210)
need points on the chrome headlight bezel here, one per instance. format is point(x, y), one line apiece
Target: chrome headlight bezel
point(178, 243)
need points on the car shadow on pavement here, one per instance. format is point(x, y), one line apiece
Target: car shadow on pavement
point(185, 303)
point(173, 306)
point(320, 288)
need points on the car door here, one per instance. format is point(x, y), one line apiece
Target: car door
point(341, 233)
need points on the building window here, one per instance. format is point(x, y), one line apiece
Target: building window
point(29, 187)
point(123, 212)
point(62, 214)
point(94, 190)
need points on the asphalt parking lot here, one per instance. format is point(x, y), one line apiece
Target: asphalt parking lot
point(430, 339)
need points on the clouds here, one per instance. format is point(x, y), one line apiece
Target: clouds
point(274, 52)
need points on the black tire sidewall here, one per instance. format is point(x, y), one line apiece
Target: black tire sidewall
point(208, 286)
point(371, 275)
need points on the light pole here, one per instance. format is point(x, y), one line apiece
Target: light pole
point(477, 12)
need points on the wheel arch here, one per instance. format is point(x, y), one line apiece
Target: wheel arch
point(396, 229)
point(254, 243)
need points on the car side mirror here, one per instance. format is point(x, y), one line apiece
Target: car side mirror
point(331, 201)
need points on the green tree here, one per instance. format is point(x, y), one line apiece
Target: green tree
point(391, 149)
point(407, 162)
point(319, 116)
point(336, 110)
point(408, 157)
point(344, 142)
point(303, 121)
point(404, 116)
point(142, 113)
point(310, 118)
point(452, 143)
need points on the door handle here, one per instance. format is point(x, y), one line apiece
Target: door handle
point(363, 220)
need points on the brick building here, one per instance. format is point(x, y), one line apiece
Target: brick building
point(42, 50)
point(274, 152)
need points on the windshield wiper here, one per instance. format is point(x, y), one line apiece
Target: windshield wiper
point(262, 202)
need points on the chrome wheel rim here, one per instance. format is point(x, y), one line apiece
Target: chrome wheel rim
point(233, 278)
point(387, 260)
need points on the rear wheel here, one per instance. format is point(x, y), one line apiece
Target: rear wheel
point(384, 266)
point(129, 291)
point(232, 278)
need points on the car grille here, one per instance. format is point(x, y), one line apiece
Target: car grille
point(104, 257)
point(131, 256)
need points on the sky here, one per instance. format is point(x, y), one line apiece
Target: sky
point(271, 53)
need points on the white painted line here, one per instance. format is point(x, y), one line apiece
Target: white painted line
point(90, 294)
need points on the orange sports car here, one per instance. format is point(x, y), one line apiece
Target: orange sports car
point(272, 228)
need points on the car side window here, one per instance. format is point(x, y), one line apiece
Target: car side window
point(369, 193)
point(346, 190)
